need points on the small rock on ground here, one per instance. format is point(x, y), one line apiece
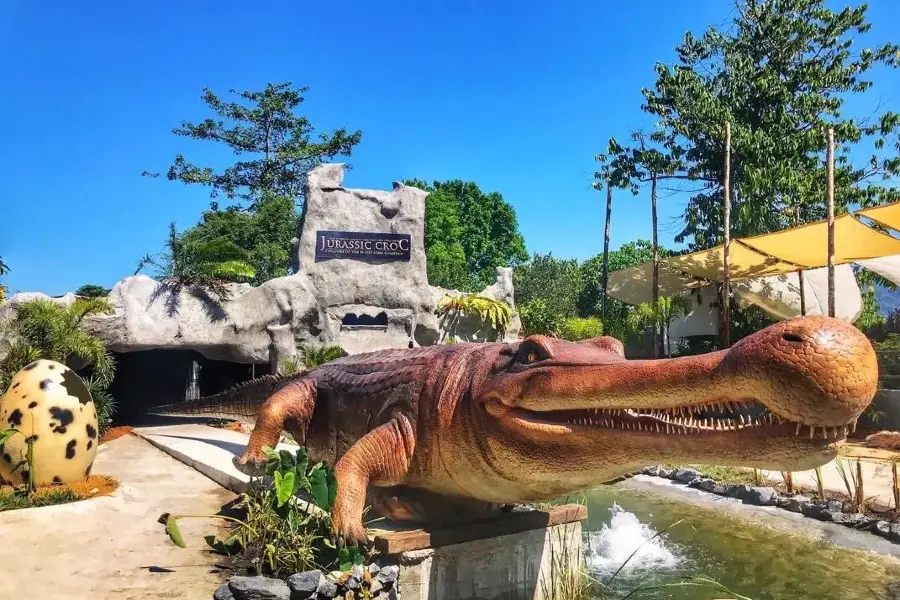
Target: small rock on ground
point(223, 593)
point(759, 496)
point(686, 475)
point(258, 588)
point(303, 585)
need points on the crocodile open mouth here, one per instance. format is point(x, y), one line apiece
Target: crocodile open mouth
point(700, 419)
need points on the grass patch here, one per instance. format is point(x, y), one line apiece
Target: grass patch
point(728, 474)
point(47, 495)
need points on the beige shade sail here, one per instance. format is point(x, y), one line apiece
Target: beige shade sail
point(635, 284)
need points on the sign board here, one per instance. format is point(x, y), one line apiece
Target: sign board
point(363, 245)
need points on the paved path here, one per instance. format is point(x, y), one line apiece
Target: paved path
point(877, 479)
point(100, 549)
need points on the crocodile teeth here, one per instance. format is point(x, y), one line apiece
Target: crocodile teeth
point(812, 431)
point(797, 432)
point(853, 427)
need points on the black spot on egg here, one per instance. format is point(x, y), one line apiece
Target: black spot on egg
point(70, 449)
point(15, 418)
point(75, 386)
point(64, 416)
point(32, 404)
point(56, 479)
point(87, 472)
point(16, 384)
point(92, 433)
point(51, 366)
point(31, 438)
point(30, 366)
point(45, 384)
point(7, 458)
point(90, 444)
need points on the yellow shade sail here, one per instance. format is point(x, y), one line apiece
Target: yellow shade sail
point(807, 246)
point(886, 215)
point(744, 263)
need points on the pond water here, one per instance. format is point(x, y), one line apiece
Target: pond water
point(747, 557)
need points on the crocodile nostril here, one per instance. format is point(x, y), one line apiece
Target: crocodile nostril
point(791, 337)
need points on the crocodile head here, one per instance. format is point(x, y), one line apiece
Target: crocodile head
point(556, 416)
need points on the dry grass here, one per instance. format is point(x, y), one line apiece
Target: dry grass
point(115, 432)
point(46, 495)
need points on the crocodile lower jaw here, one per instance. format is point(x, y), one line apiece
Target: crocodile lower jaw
point(748, 417)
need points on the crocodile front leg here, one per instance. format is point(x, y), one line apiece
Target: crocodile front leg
point(289, 408)
point(381, 458)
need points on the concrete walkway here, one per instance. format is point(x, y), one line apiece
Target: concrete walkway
point(877, 479)
point(101, 549)
point(209, 450)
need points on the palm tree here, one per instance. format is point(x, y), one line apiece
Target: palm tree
point(658, 316)
point(203, 268)
point(45, 329)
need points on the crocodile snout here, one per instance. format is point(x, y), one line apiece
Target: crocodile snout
point(813, 370)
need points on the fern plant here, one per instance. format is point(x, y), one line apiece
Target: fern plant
point(44, 329)
point(496, 314)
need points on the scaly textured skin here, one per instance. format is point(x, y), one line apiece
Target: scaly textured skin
point(449, 432)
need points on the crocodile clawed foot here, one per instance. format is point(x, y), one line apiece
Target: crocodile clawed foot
point(250, 464)
point(351, 534)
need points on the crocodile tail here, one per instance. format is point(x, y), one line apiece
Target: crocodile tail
point(241, 402)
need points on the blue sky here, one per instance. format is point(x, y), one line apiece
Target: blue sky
point(518, 97)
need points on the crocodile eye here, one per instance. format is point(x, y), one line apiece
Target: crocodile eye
point(531, 357)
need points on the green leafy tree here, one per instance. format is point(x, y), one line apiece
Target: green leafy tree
point(468, 234)
point(781, 75)
point(275, 148)
point(557, 282)
point(91, 290)
point(45, 329)
point(628, 255)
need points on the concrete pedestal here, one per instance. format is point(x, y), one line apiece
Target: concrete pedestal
point(514, 556)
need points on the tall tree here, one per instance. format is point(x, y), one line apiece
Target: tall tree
point(468, 234)
point(274, 148)
point(781, 74)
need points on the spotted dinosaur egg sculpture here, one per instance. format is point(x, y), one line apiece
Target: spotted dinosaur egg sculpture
point(47, 402)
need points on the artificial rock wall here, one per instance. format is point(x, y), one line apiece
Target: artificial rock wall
point(266, 323)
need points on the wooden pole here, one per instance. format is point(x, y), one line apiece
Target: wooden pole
point(606, 253)
point(830, 198)
point(726, 210)
point(802, 293)
point(657, 334)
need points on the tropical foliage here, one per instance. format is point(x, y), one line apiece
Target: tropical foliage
point(285, 522)
point(659, 314)
point(46, 329)
point(309, 357)
point(492, 313)
point(468, 234)
point(92, 291)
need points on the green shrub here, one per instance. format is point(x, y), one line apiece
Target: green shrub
point(278, 530)
point(538, 318)
point(576, 329)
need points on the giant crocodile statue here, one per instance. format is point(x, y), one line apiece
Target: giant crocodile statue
point(446, 432)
